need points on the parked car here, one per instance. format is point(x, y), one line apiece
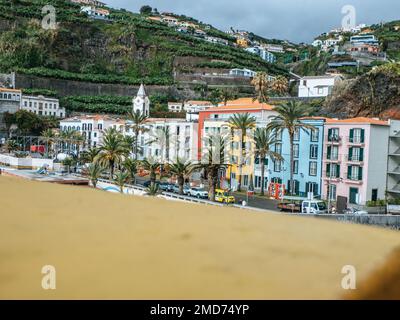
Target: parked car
point(303, 205)
point(186, 189)
point(223, 196)
point(165, 186)
point(198, 193)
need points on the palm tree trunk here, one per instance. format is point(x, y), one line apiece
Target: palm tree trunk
point(291, 137)
point(111, 170)
point(211, 185)
point(181, 181)
point(136, 144)
point(262, 174)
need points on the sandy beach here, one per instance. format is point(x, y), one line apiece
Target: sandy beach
point(109, 246)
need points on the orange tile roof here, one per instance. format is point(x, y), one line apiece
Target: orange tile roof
point(201, 102)
point(10, 90)
point(243, 104)
point(362, 120)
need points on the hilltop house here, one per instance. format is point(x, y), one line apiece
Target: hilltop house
point(242, 73)
point(94, 3)
point(174, 106)
point(96, 13)
point(317, 86)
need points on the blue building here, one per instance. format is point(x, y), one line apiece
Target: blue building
point(308, 155)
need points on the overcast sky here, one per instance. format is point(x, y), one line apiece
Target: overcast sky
point(295, 20)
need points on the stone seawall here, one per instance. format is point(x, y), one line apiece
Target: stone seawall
point(387, 221)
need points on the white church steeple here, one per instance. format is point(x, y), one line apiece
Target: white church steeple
point(141, 103)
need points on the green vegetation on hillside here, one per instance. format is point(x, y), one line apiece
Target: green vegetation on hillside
point(129, 49)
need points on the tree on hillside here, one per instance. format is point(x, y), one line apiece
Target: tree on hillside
point(146, 10)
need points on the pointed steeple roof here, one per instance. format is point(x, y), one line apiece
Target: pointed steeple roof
point(141, 92)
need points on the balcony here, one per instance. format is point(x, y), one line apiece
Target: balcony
point(394, 171)
point(353, 180)
point(354, 160)
point(355, 141)
point(335, 141)
point(395, 153)
point(332, 158)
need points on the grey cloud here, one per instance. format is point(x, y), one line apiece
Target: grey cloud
point(295, 20)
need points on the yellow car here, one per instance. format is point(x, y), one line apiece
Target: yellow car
point(223, 196)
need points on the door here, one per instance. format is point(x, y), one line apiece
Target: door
point(353, 195)
point(374, 195)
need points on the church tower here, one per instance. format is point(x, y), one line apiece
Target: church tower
point(141, 103)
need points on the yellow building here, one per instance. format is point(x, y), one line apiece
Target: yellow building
point(215, 121)
point(242, 42)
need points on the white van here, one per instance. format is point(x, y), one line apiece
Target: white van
point(314, 207)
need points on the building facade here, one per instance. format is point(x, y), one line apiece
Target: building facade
point(175, 107)
point(317, 86)
point(10, 102)
point(42, 106)
point(355, 160)
point(141, 103)
point(393, 168)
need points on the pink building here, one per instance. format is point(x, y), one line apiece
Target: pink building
point(351, 168)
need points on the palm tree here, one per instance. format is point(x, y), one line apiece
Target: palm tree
point(161, 136)
point(11, 145)
point(263, 148)
point(182, 170)
point(226, 94)
point(152, 190)
point(90, 155)
point(280, 85)
point(95, 170)
point(49, 137)
point(213, 160)
point(289, 118)
point(112, 150)
point(120, 179)
point(130, 166)
point(242, 122)
point(69, 162)
point(151, 165)
point(78, 140)
point(261, 83)
point(138, 121)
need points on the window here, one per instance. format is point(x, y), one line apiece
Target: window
point(296, 166)
point(100, 126)
point(313, 167)
point(312, 187)
point(296, 150)
point(245, 180)
point(354, 173)
point(320, 90)
point(296, 136)
point(356, 154)
point(278, 148)
point(277, 165)
point(333, 134)
point(315, 135)
point(333, 153)
point(278, 135)
point(332, 192)
point(357, 135)
point(314, 151)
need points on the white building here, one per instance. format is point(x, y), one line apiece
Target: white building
point(193, 107)
point(10, 101)
point(217, 40)
point(96, 13)
point(317, 86)
point(174, 106)
point(242, 73)
point(141, 103)
point(42, 106)
point(90, 126)
point(166, 139)
point(264, 54)
point(274, 48)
